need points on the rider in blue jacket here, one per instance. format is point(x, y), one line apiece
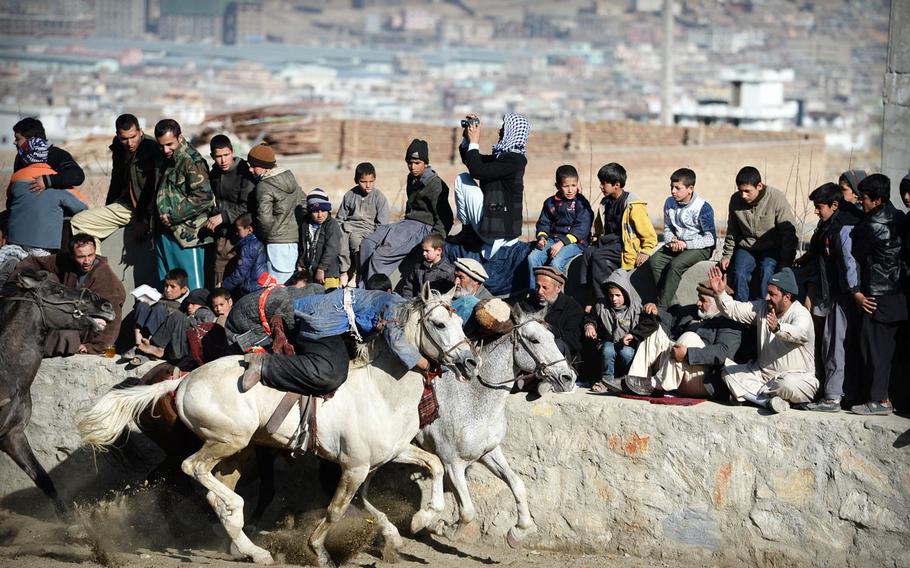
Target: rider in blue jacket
point(321, 321)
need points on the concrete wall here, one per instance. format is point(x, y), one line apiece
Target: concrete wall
point(896, 99)
point(710, 483)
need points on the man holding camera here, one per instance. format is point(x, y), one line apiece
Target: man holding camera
point(491, 210)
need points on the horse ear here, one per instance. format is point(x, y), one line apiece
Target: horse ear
point(450, 295)
point(426, 293)
point(518, 314)
point(29, 278)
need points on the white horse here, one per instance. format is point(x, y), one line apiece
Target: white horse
point(472, 419)
point(371, 420)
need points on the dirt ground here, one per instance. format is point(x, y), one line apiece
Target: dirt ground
point(130, 531)
point(26, 542)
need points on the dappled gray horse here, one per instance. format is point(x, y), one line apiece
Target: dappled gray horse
point(472, 419)
point(30, 307)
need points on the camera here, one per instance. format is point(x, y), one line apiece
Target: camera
point(466, 122)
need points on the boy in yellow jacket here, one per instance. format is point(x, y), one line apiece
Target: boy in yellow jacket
point(623, 235)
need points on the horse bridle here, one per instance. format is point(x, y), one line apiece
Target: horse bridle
point(445, 353)
point(539, 365)
point(36, 299)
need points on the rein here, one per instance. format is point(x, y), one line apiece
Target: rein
point(34, 298)
point(519, 341)
point(445, 353)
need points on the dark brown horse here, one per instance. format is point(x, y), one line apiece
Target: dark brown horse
point(30, 307)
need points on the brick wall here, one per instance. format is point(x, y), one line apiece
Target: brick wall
point(791, 161)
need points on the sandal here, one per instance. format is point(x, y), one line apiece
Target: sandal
point(607, 385)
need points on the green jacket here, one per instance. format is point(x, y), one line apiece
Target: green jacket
point(185, 195)
point(766, 224)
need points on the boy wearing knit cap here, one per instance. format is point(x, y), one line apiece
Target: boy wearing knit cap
point(278, 199)
point(427, 211)
point(320, 241)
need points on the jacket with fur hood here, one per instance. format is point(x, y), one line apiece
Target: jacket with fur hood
point(278, 207)
point(613, 323)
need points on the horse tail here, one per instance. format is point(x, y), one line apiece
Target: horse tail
point(101, 424)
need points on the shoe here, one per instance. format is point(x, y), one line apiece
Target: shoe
point(253, 372)
point(607, 385)
point(873, 408)
point(641, 386)
point(137, 361)
point(825, 405)
point(778, 405)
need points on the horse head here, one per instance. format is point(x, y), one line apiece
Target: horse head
point(61, 307)
point(440, 336)
point(536, 351)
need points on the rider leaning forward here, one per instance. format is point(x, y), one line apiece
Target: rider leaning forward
point(321, 363)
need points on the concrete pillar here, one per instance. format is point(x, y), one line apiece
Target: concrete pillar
point(896, 99)
point(666, 84)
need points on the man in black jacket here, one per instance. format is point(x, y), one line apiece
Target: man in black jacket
point(491, 212)
point(131, 196)
point(69, 174)
point(564, 315)
point(233, 185)
point(877, 243)
point(691, 365)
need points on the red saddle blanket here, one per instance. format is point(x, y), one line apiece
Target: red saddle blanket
point(428, 409)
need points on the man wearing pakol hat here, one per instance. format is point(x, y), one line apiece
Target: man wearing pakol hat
point(691, 365)
point(564, 315)
point(426, 211)
point(784, 372)
point(320, 241)
point(469, 290)
point(278, 202)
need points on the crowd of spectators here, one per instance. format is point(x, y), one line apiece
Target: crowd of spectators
point(243, 252)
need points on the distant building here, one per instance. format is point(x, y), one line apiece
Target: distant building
point(50, 18)
point(192, 21)
point(243, 23)
point(120, 18)
point(756, 102)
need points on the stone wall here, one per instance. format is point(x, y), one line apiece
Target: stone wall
point(730, 485)
point(711, 483)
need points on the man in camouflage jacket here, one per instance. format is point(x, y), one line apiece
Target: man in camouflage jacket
point(184, 200)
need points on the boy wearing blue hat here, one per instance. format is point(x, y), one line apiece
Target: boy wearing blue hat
point(320, 241)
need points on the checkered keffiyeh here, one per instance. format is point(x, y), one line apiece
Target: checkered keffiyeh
point(515, 131)
point(34, 151)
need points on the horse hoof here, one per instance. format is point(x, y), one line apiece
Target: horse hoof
point(439, 528)
point(516, 536)
point(75, 533)
point(390, 551)
point(468, 532)
point(421, 520)
point(324, 560)
point(262, 557)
